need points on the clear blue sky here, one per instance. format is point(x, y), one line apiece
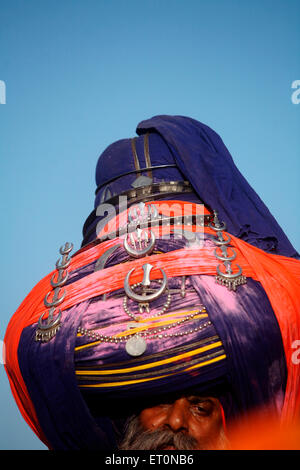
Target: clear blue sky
point(80, 74)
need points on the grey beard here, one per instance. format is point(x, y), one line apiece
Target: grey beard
point(136, 438)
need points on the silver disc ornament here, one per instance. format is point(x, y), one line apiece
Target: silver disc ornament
point(136, 346)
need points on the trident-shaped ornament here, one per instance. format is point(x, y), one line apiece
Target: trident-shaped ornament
point(48, 328)
point(140, 245)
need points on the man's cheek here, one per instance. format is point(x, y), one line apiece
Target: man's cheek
point(152, 418)
point(205, 429)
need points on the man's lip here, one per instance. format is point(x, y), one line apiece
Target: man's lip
point(169, 448)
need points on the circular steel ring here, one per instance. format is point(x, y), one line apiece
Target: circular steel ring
point(229, 276)
point(140, 253)
point(224, 258)
point(145, 298)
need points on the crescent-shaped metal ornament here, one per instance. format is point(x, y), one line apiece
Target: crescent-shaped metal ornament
point(62, 264)
point(100, 264)
point(50, 322)
point(46, 331)
point(229, 276)
point(145, 298)
point(218, 228)
point(222, 242)
point(61, 279)
point(224, 258)
point(55, 301)
point(144, 251)
point(66, 249)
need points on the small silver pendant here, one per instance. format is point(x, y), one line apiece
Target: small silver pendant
point(136, 346)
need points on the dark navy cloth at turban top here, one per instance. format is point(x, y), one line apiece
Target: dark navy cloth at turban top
point(254, 372)
point(201, 158)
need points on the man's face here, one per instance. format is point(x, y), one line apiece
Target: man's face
point(185, 423)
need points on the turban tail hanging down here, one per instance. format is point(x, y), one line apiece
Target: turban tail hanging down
point(111, 347)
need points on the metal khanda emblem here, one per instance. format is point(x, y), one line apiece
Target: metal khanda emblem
point(144, 298)
point(136, 345)
point(47, 328)
point(138, 243)
point(229, 279)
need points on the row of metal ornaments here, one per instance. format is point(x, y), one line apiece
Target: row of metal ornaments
point(229, 279)
point(48, 327)
point(141, 243)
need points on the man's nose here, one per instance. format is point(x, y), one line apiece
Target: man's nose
point(177, 418)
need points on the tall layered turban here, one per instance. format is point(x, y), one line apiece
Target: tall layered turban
point(77, 388)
